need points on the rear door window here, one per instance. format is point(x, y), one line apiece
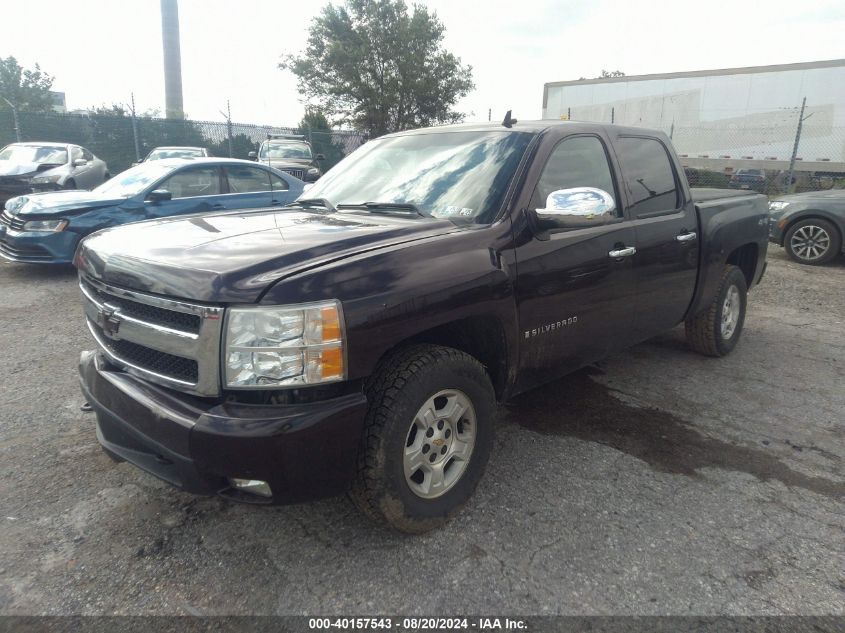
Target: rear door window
point(278, 183)
point(246, 179)
point(649, 176)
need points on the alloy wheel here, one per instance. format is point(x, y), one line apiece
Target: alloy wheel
point(439, 443)
point(810, 242)
point(730, 312)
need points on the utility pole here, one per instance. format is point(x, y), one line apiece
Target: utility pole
point(801, 119)
point(14, 119)
point(228, 116)
point(229, 125)
point(135, 129)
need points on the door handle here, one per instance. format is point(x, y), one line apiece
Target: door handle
point(217, 206)
point(686, 237)
point(622, 252)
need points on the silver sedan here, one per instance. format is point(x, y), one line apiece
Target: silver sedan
point(47, 166)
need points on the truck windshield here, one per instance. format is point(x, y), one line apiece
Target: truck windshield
point(461, 176)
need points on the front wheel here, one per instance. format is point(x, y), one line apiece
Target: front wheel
point(70, 184)
point(716, 331)
point(427, 437)
point(812, 241)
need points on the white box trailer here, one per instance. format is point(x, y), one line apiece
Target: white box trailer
point(724, 119)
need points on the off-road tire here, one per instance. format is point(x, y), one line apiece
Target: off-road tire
point(396, 392)
point(834, 244)
point(704, 332)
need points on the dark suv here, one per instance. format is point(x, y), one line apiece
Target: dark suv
point(291, 154)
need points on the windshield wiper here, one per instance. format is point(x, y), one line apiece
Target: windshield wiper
point(387, 207)
point(313, 202)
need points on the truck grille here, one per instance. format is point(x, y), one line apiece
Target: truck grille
point(170, 342)
point(13, 222)
point(151, 314)
point(158, 362)
point(296, 173)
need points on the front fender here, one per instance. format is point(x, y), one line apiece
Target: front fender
point(393, 294)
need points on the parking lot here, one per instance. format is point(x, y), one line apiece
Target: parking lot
point(658, 482)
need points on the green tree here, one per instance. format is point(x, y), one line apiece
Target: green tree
point(242, 145)
point(27, 90)
point(376, 66)
point(315, 126)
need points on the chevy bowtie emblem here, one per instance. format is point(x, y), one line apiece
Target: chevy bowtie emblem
point(109, 321)
point(438, 442)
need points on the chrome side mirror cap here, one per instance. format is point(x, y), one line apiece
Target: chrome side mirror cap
point(578, 207)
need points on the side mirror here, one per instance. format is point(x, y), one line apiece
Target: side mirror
point(320, 157)
point(159, 195)
point(80, 162)
point(252, 155)
point(575, 208)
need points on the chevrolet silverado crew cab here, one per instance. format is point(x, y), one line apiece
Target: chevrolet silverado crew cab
point(361, 339)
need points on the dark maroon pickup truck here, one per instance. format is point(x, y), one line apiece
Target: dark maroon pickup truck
point(360, 339)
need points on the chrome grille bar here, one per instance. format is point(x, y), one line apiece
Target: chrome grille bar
point(118, 317)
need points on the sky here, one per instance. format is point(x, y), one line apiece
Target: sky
point(101, 51)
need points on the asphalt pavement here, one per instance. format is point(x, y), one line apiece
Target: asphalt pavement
point(656, 482)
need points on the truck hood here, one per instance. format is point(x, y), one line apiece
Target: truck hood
point(60, 203)
point(234, 257)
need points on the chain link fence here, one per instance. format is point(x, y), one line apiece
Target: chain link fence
point(121, 140)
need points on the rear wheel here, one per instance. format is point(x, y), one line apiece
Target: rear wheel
point(428, 436)
point(716, 331)
point(812, 241)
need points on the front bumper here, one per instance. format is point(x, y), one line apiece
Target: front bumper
point(303, 451)
point(37, 247)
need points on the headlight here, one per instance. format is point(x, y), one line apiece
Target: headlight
point(313, 171)
point(269, 347)
point(777, 205)
point(43, 180)
point(48, 226)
